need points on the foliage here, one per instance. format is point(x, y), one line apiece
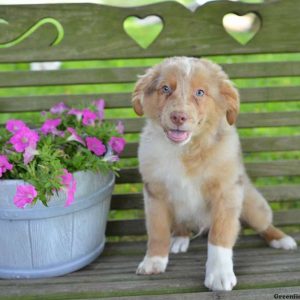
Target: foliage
point(45, 157)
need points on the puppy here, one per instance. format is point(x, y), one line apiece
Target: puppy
point(191, 165)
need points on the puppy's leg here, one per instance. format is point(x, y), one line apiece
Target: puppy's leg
point(258, 214)
point(225, 213)
point(180, 240)
point(158, 223)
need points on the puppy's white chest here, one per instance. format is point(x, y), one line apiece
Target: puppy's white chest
point(184, 192)
point(188, 203)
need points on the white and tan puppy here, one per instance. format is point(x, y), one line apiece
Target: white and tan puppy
point(192, 169)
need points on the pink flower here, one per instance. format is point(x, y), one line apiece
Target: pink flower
point(50, 127)
point(25, 194)
point(117, 144)
point(14, 126)
point(69, 186)
point(89, 117)
point(120, 127)
point(95, 145)
point(4, 165)
point(29, 153)
point(23, 138)
point(74, 136)
point(76, 112)
point(100, 104)
point(59, 108)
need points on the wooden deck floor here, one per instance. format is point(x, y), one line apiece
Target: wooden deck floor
point(261, 272)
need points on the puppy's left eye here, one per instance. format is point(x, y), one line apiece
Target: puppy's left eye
point(200, 93)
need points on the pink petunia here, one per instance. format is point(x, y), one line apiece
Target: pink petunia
point(76, 112)
point(95, 145)
point(74, 136)
point(14, 126)
point(25, 195)
point(4, 165)
point(100, 104)
point(29, 153)
point(69, 186)
point(117, 144)
point(89, 117)
point(120, 127)
point(23, 138)
point(50, 126)
point(59, 108)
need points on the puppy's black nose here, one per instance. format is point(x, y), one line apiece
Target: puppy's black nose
point(178, 117)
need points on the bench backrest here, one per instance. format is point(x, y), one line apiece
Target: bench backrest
point(269, 85)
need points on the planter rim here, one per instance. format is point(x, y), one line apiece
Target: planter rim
point(51, 211)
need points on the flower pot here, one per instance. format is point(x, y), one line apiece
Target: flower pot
point(49, 241)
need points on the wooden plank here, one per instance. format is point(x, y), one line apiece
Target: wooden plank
point(271, 193)
point(257, 144)
point(69, 77)
point(245, 120)
point(45, 102)
point(123, 100)
point(137, 227)
point(206, 33)
point(261, 169)
point(148, 285)
point(129, 74)
point(254, 294)
point(269, 94)
point(262, 69)
point(249, 242)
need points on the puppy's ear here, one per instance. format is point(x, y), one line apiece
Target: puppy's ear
point(232, 99)
point(143, 86)
point(137, 98)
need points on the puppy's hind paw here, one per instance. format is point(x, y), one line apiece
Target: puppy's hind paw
point(152, 265)
point(179, 244)
point(286, 243)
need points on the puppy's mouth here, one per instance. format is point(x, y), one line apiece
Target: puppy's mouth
point(177, 136)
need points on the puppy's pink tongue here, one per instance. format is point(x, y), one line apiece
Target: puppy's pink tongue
point(177, 136)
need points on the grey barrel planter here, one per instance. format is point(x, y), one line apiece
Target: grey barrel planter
point(49, 241)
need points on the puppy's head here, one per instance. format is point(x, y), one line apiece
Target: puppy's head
point(181, 94)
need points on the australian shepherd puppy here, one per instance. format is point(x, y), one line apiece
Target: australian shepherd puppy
point(192, 169)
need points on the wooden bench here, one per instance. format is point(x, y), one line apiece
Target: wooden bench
point(269, 87)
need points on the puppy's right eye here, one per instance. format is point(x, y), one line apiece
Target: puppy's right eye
point(166, 89)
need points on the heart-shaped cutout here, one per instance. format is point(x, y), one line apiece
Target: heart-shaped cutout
point(143, 31)
point(242, 28)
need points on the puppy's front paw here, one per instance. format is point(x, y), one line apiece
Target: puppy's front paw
point(179, 244)
point(220, 279)
point(286, 243)
point(219, 269)
point(152, 265)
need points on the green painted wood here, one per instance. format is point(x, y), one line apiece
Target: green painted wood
point(129, 74)
point(45, 102)
point(254, 169)
point(271, 193)
point(113, 275)
point(123, 100)
point(245, 120)
point(256, 144)
point(206, 35)
point(137, 226)
point(254, 294)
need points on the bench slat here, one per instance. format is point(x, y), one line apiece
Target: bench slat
point(245, 120)
point(137, 226)
point(257, 144)
point(130, 74)
point(123, 100)
point(271, 193)
point(254, 169)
